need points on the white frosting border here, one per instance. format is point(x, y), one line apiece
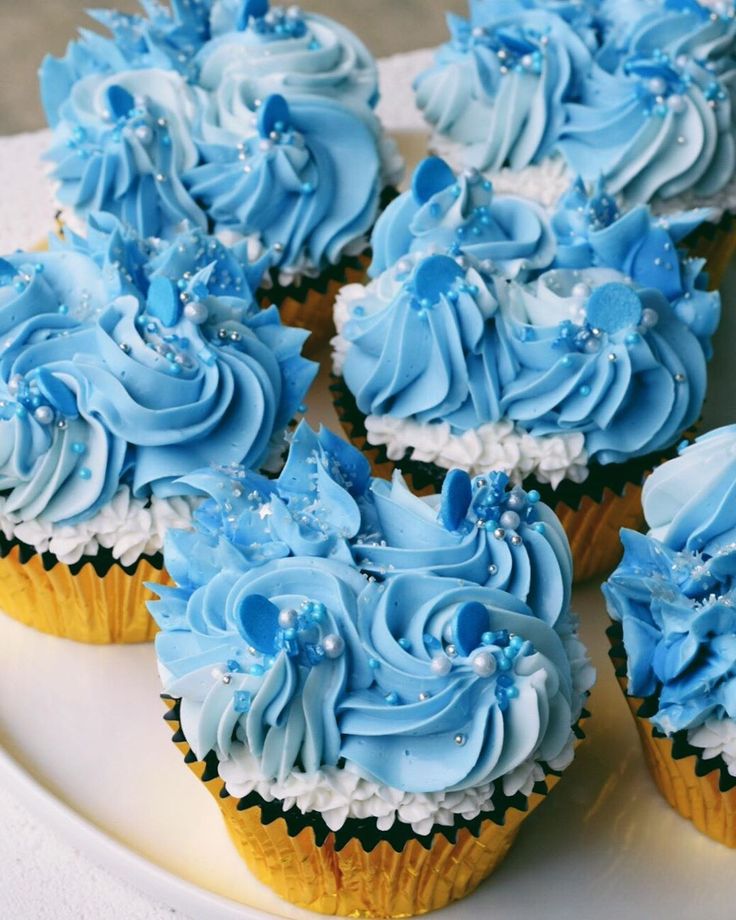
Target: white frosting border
point(129, 527)
point(338, 794)
point(498, 445)
point(716, 738)
point(547, 182)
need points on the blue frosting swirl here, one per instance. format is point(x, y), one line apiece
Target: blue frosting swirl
point(280, 50)
point(459, 214)
point(480, 532)
point(165, 38)
point(689, 501)
point(591, 231)
point(101, 386)
point(284, 641)
point(500, 86)
point(679, 626)
point(306, 184)
point(454, 714)
point(424, 345)
point(655, 114)
point(599, 356)
point(310, 510)
point(122, 144)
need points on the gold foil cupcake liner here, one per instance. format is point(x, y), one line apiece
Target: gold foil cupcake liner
point(699, 799)
point(350, 881)
point(85, 606)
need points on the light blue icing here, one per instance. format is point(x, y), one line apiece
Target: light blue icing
point(164, 38)
point(122, 145)
point(280, 50)
point(573, 351)
point(689, 501)
point(478, 531)
point(500, 86)
point(283, 690)
point(103, 383)
point(306, 184)
point(591, 231)
point(173, 95)
point(420, 730)
point(310, 510)
point(602, 357)
point(460, 215)
point(655, 115)
point(678, 615)
point(430, 354)
point(421, 681)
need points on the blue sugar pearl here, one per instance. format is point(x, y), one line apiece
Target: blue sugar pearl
point(516, 642)
point(566, 361)
point(404, 643)
point(78, 447)
point(359, 311)
point(487, 638)
point(584, 390)
point(504, 664)
point(289, 634)
point(233, 665)
point(21, 411)
point(504, 681)
point(175, 370)
point(534, 496)
point(38, 268)
point(632, 339)
point(392, 698)
point(512, 693)
point(307, 188)
point(318, 612)
point(374, 664)
point(85, 473)
point(510, 652)
point(257, 670)
point(503, 703)
point(540, 528)
point(241, 701)
point(19, 286)
point(63, 309)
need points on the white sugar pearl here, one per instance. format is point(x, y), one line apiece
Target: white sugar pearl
point(484, 664)
point(287, 619)
point(333, 645)
point(441, 665)
point(196, 313)
point(44, 415)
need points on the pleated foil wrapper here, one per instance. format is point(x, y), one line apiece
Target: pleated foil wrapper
point(91, 603)
point(701, 791)
point(333, 874)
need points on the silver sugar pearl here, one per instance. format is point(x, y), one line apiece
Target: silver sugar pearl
point(333, 645)
point(484, 664)
point(44, 415)
point(441, 665)
point(287, 619)
point(196, 312)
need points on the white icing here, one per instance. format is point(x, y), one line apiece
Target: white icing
point(338, 794)
point(128, 527)
point(548, 181)
point(716, 738)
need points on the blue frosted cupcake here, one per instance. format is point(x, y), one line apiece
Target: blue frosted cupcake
point(348, 719)
point(571, 354)
point(672, 603)
point(249, 122)
point(125, 365)
point(638, 93)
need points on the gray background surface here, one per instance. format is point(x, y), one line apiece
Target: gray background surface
point(31, 28)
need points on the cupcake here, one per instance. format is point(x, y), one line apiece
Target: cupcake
point(249, 122)
point(123, 367)
point(373, 741)
point(639, 93)
point(573, 367)
point(672, 603)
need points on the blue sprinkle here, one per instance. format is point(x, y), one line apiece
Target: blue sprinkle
point(242, 701)
point(233, 666)
point(540, 528)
